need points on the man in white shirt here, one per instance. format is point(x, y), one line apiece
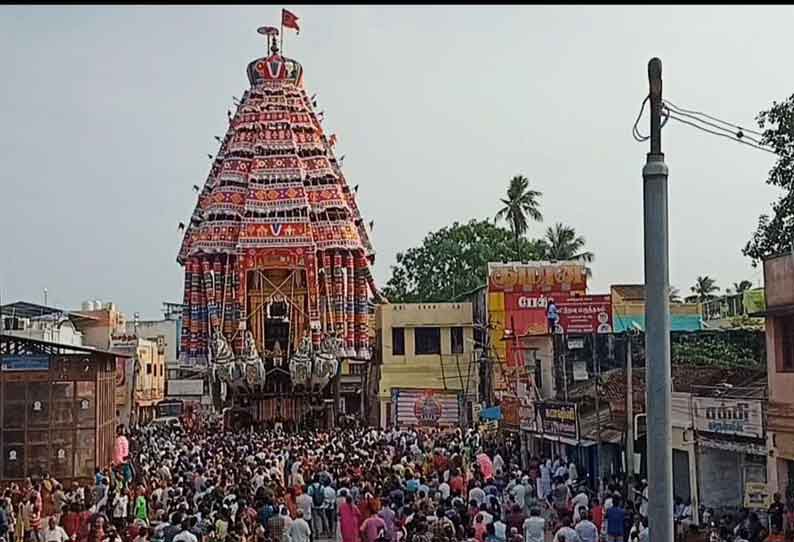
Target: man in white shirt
point(330, 509)
point(518, 492)
point(54, 533)
point(586, 529)
point(534, 527)
point(185, 535)
point(566, 533)
point(299, 531)
point(579, 501)
point(477, 494)
point(120, 505)
point(304, 503)
point(444, 489)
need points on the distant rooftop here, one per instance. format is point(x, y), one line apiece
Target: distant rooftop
point(23, 309)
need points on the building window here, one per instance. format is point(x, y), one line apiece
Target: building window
point(456, 339)
point(398, 341)
point(148, 368)
point(787, 341)
point(427, 340)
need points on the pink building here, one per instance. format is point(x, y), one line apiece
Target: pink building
point(779, 284)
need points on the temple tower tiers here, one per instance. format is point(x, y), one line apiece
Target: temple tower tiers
point(276, 255)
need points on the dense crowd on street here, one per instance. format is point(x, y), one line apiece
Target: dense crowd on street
point(354, 485)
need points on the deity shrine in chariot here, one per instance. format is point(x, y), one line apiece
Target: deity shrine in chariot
point(276, 257)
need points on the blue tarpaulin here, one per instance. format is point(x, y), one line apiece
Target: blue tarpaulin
point(491, 413)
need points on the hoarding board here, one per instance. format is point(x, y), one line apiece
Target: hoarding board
point(525, 314)
point(24, 363)
point(558, 419)
point(425, 408)
point(536, 277)
point(585, 315)
point(737, 417)
point(182, 387)
point(510, 412)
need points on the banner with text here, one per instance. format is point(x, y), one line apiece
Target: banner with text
point(537, 277)
point(585, 314)
point(558, 419)
point(743, 418)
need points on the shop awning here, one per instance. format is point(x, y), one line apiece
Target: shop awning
point(733, 446)
point(569, 441)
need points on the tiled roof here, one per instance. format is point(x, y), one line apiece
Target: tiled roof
point(686, 379)
point(630, 291)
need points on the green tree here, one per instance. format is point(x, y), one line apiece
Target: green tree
point(739, 287)
point(452, 261)
point(561, 243)
point(520, 205)
point(775, 235)
point(704, 288)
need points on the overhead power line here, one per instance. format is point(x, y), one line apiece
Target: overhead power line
point(721, 134)
point(739, 135)
point(711, 117)
point(704, 122)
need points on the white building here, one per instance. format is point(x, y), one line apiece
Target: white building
point(41, 323)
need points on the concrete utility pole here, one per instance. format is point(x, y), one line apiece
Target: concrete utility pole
point(597, 370)
point(629, 419)
point(657, 322)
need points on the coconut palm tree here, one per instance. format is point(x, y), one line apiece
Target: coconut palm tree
point(520, 205)
point(561, 243)
point(704, 288)
point(739, 287)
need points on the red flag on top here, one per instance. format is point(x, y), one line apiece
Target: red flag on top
point(290, 20)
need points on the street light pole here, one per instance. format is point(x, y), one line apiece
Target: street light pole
point(657, 322)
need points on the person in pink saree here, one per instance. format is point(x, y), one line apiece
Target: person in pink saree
point(349, 520)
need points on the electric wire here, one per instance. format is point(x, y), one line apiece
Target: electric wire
point(721, 134)
point(696, 119)
point(715, 119)
point(738, 135)
point(635, 131)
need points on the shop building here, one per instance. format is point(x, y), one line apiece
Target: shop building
point(57, 411)
point(425, 346)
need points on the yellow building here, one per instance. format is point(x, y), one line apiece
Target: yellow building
point(144, 364)
point(425, 346)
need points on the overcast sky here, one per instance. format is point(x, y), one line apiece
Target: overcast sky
point(108, 113)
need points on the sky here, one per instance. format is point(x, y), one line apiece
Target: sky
point(108, 114)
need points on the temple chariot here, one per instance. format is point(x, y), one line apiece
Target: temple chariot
point(276, 258)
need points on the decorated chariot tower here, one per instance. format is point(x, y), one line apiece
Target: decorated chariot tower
point(276, 256)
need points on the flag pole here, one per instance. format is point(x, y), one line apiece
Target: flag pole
point(281, 45)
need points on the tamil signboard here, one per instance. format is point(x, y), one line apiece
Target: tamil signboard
point(425, 408)
point(558, 419)
point(525, 313)
point(736, 417)
point(24, 363)
point(585, 315)
point(537, 277)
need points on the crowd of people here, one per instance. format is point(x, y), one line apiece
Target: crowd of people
point(354, 485)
